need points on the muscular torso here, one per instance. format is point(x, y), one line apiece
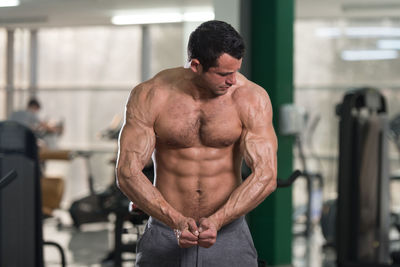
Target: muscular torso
point(197, 153)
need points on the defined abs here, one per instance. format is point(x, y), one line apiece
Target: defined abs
point(197, 197)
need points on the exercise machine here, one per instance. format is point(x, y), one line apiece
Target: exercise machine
point(294, 121)
point(21, 242)
point(394, 133)
point(96, 206)
point(363, 214)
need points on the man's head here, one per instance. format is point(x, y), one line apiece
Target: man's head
point(212, 39)
point(215, 50)
point(33, 105)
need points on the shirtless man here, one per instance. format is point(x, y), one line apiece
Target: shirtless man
point(199, 123)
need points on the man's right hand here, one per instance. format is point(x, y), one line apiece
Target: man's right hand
point(187, 233)
point(208, 232)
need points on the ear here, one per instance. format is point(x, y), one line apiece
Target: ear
point(195, 65)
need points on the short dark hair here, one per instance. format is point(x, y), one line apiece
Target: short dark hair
point(33, 103)
point(213, 38)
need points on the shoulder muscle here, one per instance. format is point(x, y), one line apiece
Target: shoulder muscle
point(143, 103)
point(253, 104)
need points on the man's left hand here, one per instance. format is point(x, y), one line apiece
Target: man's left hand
point(208, 233)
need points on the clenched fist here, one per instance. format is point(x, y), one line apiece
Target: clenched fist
point(208, 233)
point(187, 233)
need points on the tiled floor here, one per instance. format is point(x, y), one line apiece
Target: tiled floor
point(90, 245)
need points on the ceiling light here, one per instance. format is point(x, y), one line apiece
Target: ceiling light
point(388, 44)
point(198, 16)
point(358, 55)
point(372, 32)
point(357, 7)
point(328, 32)
point(8, 3)
point(147, 17)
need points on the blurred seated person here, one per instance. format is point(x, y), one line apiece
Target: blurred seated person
point(30, 118)
point(52, 187)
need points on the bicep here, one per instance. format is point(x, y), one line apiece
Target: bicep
point(137, 139)
point(259, 142)
point(136, 143)
point(259, 148)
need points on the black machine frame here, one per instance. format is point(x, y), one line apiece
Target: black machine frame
point(363, 215)
point(20, 199)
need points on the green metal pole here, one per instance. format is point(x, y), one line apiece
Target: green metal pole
point(272, 68)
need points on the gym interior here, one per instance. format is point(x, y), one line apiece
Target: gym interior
point(331, 69)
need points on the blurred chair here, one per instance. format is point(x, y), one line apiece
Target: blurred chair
point(52, 193)
point(52, 186)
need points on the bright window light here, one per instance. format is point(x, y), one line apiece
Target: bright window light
point(7, 3)
point(388, 44)
point(147, 17)
point(372, 32)
point(328, 32)
point(358, 55)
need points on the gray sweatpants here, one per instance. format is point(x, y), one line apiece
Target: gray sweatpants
point(158, 247)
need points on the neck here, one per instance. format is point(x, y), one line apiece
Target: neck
point(198, 89)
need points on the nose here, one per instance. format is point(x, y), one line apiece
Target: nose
point(231, 80)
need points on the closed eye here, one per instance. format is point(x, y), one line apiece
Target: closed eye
point(224, 74)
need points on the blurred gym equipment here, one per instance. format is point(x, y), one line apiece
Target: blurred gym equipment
point(21, 242)
point(88, 209)
point(117, 203)
point(362, 221)
point(394, 133)
point(288, 182)
point(97, 205)
point(294, 121)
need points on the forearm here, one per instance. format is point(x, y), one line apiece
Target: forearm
point(245, 198)
point(147, 197)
